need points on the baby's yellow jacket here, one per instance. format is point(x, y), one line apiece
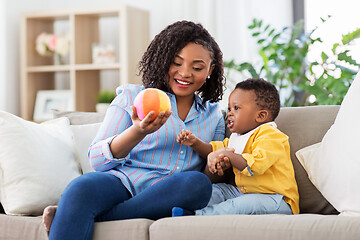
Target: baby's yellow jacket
point(270, 169)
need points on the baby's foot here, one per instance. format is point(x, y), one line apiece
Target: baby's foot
point(48, 216)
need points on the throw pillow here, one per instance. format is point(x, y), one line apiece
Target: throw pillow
point(334, 168)
point(307, 156)
point(37, 161)
point(83, 135)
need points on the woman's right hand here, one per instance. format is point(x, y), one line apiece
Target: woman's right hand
point(146, 126)
point(123, 143)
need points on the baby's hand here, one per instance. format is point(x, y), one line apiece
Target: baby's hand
point(218, 162)
point(186, 137)
point(213, 162)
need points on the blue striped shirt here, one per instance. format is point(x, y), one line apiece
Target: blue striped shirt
point(158, 155)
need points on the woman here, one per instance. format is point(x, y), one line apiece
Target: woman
point(141, 171)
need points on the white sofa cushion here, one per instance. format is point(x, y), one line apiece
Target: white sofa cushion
point(83, 135)
point(37, 161)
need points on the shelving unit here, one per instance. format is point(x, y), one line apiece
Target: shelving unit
point(130, 37)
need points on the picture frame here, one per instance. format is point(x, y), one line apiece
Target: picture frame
point(47, 100)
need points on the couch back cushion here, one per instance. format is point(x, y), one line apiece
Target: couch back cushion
point(306, 126)
point(303, 125)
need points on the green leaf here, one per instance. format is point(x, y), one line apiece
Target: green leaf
point(324, 57)
point(297, 30)
point(271, 32)
point(266, 28)
point(105, 96)
point(334, 47)
point(350, 36)
point(276, 37)
point(345, 57)
point(285, 63)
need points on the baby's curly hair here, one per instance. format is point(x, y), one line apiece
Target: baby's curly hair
point(155, 63)
point(267, 96)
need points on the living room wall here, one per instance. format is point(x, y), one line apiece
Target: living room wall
point(227, 20)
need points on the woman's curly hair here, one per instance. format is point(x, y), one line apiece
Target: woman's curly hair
point(155, 63)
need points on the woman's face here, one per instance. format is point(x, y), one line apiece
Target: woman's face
point(189, 70)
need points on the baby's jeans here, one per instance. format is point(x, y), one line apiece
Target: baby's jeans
point(228, 199)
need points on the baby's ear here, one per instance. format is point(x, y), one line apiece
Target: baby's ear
point(262, 116)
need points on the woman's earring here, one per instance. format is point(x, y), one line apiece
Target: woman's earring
point(208, 77)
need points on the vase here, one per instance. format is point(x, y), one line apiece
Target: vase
point(59, 60)
point(102, 107)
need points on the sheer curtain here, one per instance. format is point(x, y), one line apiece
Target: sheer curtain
point(227, 21)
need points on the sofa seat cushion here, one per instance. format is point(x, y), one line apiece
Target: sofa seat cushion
point(234, 227)
point(22, 227)
point(133, 229)
point(31, 228)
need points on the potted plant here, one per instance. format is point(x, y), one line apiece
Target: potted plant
point(285, 62)
point(103, 99)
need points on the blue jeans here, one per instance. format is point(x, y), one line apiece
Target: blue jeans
point(227, 199)
point(100, 196)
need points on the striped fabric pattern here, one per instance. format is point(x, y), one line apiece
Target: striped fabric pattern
point(158, 155)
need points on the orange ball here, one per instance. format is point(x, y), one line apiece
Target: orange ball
point(151, 99)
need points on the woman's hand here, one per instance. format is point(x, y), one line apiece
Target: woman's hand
point(123, 143)
point(146, 126)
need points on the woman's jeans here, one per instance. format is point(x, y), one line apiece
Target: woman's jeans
point(100, 196)
point(227, 199)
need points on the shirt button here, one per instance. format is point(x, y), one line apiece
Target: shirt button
point(239, 172)
point(181, 152)
point(177, 168)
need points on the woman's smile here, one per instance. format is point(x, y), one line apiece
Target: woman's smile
point(182, 83)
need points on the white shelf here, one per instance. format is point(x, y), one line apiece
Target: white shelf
point(131, 38)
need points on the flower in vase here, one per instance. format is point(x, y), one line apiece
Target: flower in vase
point(48, 44)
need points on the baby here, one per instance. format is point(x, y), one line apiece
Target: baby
point(258, 152)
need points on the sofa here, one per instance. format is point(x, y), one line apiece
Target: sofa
point(317, 220)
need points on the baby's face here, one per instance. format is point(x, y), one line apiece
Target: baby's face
point(242, 111)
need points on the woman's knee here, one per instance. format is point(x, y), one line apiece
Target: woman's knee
point(195, 181)
point(84, 187)
point(196, 185)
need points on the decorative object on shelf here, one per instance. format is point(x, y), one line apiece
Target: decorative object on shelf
point(48, 44)
point(103, 99)
point(47, 100)
point(103, 53)
point(105, 25)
